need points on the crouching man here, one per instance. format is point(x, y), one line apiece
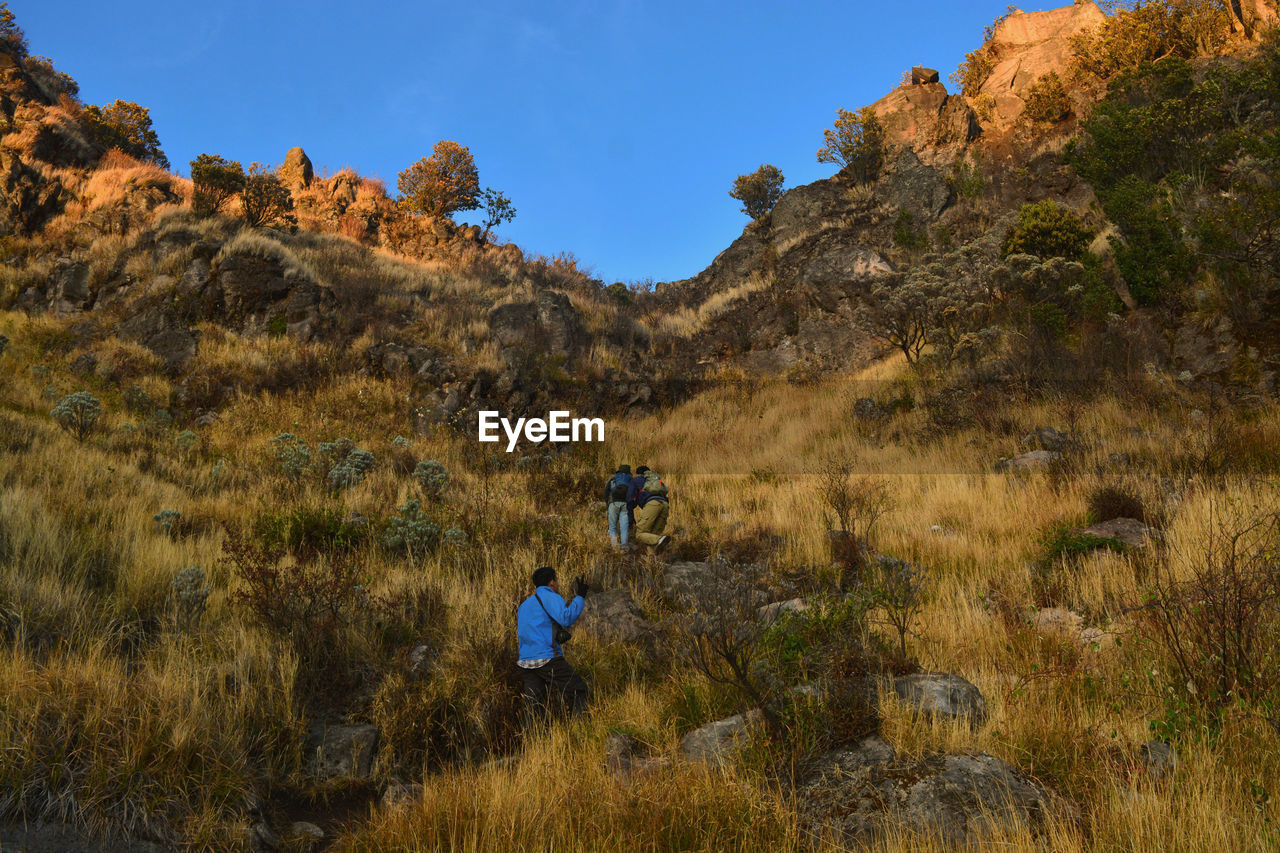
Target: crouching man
point(542, 665)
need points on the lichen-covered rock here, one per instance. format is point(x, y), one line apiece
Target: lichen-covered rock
point(858, 794)
point(942, 695)
point(1030, 461)
point(1129, 531)
point(717, 743)
point(345, 751)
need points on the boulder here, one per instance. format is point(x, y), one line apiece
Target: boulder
point(1129, 531)
point(398, 794)
point(342, 751)
point(921, 75)
point(942, 695)
point(613, 616)
point(717, 743)
point(297, 172)
point(307, 834)
point(860, 794)
point(1028, 461)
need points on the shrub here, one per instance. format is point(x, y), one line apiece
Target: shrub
point(1148, 32)
point(432, 477)
point(1047, 230)
point(1218, 622)
point(906, 234)
point(1047, 99)
point(293, 454)
point(897, 586)
point(187, 440)
point(411, 532)
point(442, 184)
point(974, 71)
point(313, 606)
point(168, 519)
point(856, 143)
point(78, 414)
point(190, 596)
point(758, 191)
point(125, 126)
point(265, 199)
point(4, 343)
point(351, 470)
point(308, 532)
point(1108, 502)
point(214, 180)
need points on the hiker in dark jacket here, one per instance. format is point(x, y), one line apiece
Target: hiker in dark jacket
point(541, 660)
point(615, 498)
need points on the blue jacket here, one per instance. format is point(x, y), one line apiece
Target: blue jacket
point(633, 493)
point(646, 497)
point(533, 625)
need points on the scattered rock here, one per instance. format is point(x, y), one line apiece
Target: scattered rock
point(612, 615)
point(942, 695)
point(308, 833)
point(346, 751)
point(1047, 438)
point(778, 609)
point(398, 794)
point(716, 743)
point(1129, 531)
point(1158, 758)
point(1028, 461)
point(864, 792)
point(85, 363)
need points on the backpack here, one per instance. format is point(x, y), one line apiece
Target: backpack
point(653, 483)
point(618, 486)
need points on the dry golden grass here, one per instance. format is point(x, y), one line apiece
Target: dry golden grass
point(87, 574)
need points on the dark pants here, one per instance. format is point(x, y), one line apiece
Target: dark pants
point(557, 675)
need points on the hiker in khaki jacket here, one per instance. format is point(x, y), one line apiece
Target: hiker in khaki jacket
point(651, 507)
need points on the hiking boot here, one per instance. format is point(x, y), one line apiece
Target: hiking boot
point(662, 543)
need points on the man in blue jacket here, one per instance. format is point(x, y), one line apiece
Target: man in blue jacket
point(542, 663)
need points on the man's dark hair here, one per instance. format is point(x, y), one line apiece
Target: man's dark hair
point(543, 575)
point(642, 469)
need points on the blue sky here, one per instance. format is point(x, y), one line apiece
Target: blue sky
point(616, 127)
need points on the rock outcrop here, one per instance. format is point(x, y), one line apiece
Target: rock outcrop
point(1025, 47)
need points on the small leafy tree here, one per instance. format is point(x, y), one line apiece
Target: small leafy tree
point(442, 184)
point(78, 414)
point(215, 180)
point(126, 126)
point(898, 586)
point(855, 143)
point(758, 191)
point(265, 199)
point(498, 209)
